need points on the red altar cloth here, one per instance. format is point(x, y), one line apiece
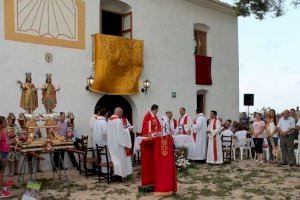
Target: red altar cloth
point(158, 164)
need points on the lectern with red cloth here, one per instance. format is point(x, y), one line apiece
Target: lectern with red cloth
point(158, 164)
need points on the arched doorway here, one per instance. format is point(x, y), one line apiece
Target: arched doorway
point(110, 102)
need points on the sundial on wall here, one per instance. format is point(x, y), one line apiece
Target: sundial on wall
point(50, 22)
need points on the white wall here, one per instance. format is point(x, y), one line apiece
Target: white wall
point(70, 68)
point(167, 29)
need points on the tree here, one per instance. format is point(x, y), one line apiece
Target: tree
point(259, 8)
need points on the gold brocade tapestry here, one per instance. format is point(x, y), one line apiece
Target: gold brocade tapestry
point(118, 64)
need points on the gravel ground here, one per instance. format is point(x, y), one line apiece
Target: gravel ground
point(239, 180)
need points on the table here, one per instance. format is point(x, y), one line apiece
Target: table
point(179, 141)
point(34, 152)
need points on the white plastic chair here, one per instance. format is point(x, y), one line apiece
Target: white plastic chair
point(246, 146)
point(233, 149)
point(266, 151)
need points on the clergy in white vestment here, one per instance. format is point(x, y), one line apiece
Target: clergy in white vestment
point(169, 124)
point(92, 123)
point(118, 139)
point(184, 122)
point(100, 130)
point(214, 149)
point(199, 149)
point(100, 135)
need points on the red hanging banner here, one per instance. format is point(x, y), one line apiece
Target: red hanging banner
point(203, 70)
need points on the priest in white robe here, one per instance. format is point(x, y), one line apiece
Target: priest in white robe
point(92, 124)
point(199, 149)
point(100, 130)
point(214, 149)
point(118, 139)
point(169, 124)
point(184, 122)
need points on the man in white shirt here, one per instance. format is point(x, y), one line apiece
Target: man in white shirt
point(198, 150)
point(286, 128)
point(100, 129)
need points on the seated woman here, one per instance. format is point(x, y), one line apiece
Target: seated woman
point(241, 136)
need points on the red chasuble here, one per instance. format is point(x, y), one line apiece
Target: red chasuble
point(151, 124)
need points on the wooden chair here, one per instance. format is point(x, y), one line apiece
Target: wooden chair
point(227, 147)
point(103, 162)
point(84, 157)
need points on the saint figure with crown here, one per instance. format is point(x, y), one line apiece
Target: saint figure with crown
point(49, 94)
point(29, 99)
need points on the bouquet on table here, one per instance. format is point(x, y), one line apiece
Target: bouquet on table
point(182, 162)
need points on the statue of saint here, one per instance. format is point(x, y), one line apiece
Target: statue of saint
point(29, 99)
point(49, 94)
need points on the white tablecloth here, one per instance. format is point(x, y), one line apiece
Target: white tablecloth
point(179, 140)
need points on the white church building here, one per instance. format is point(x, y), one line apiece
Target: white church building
point(189, 54)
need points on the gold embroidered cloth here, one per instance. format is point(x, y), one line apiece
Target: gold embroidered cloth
point(118, 64)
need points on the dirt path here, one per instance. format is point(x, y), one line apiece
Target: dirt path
point(239, 180)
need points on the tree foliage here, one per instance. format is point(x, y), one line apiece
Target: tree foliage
point(259, 8)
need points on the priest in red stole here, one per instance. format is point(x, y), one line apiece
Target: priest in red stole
point(151, 123)
point(199, 150)
point(214, 149)
point(184, 122)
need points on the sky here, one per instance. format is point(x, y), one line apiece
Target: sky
point(269, 57)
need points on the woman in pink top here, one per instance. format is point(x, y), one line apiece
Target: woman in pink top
point(258, 136)
point(4, 150)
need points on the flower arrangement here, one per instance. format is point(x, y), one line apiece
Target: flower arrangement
point(182, 162)
point(41, 117)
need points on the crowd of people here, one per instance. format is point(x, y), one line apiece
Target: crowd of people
point(10, 154)
point(279, 131)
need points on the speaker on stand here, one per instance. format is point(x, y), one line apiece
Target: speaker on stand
point(248, 101)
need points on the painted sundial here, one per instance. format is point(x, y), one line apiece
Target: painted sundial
point(61, 20)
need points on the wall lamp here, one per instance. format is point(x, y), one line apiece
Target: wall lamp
point(90, 80)
point(146, 86)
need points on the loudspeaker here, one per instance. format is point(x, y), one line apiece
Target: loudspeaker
point(248, 99)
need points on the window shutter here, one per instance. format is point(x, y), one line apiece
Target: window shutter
point(127, 25)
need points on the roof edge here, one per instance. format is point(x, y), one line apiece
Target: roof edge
point(216, 5)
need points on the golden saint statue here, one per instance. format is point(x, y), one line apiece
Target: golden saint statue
point(49, 94)
point(29, 99)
